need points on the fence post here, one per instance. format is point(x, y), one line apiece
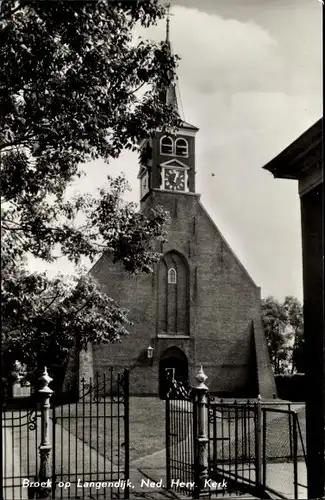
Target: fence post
point(201, 445)
point(45, 447)
point(295, 456)
point(259, 461)
point(167, 430)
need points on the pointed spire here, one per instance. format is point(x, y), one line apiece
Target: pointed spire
point(168, 23)
point(169, 94)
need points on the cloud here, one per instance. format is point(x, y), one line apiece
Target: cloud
point(240, 82)
point(219, 54)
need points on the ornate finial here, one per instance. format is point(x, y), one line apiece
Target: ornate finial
point(45, 380)
point(201, 378)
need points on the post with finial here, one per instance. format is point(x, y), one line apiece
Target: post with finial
point(259, 462)
point(201, 435)
point(45, 447)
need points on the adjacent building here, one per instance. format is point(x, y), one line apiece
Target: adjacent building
point(302, 161)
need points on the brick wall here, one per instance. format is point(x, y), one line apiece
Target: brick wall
point(223, 304)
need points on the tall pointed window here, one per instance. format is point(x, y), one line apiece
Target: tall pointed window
point(172, 276)
point(173, 295)
point(166, 145)
point(181, 147)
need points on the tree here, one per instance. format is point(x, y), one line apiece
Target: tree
point(283, 328)
point(69, 82)
point(295, 320)
point(274, 324)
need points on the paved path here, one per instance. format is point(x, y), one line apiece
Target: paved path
point(12, 467)
point(279, 475)
point(151, 467)
point(80, 457)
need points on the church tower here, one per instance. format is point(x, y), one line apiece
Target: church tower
point(170, 159)
point(199, 306)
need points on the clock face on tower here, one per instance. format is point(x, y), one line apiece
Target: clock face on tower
point(144, 184)
point(174, 179)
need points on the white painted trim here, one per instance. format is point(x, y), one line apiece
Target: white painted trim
point(163, 188)
point(183, 131)
point(144, 192)
point(172, 273)
point(172, 145)
point(181, 139)
point(188, 193)
point(174, 160)
point(141, 172)
point(171, 336)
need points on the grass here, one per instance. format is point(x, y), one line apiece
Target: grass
point(147, 429)
point(105, 432)
point(277, 440)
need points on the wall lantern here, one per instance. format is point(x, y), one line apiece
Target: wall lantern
point(150, 352)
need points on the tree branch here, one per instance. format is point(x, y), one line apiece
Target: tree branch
point(11, 12)
point(136, 89)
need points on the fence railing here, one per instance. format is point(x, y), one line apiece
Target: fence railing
point(284, 453)
point(57, 445)
point(218, 447)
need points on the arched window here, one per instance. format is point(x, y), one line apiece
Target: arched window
point(173, 295)
point(172, 276)
point(181, 147)
point(166, 145)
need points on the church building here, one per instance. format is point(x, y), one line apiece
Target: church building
point(200, 306)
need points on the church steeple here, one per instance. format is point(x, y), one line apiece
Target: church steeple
point(168, 24)
point(169, 94)
point(170, 160)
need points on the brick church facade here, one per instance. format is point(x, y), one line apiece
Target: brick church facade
point(200, 306)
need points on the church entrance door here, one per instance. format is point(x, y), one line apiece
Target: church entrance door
point(173, 364)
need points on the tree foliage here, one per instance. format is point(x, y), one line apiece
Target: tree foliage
point(283, 328)
point(69, 82)
point(295, 318)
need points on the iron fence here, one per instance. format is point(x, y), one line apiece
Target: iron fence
point(20, 449)
point(284, 443)
point(220, 448)
point(231, 439)
point(78, 446)
point(180, 439)
point(233, 447)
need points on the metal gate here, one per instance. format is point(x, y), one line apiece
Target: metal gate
point(217, 448)
point(180, 442)
point(234, 450)
point(232, 446)
point(86, 443)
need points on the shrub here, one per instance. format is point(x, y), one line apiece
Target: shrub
point(291, 387)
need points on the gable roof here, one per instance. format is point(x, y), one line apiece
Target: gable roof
point(188, 125)
point(299, 155)
point(174, 162)
point(226, 244)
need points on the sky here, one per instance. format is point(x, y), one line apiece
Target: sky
point(250, 78)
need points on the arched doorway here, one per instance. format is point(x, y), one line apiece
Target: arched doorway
point(173, 363)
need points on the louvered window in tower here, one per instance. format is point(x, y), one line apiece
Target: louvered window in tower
point(166, 146)
point(181, 147)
